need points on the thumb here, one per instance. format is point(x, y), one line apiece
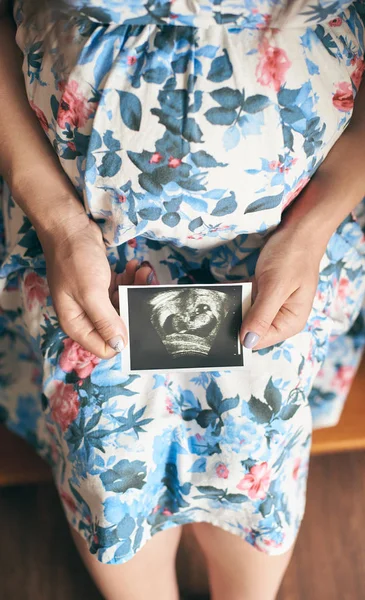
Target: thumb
point(258, 321)
point(106, 320)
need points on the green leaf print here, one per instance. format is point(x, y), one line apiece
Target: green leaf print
point(110, 164)
point(227, 97)
point(171, 219)
point(288, 411)
point(124, 476)
point(195, 223)
point(130, 110)
point(264, 203)
point(221, 115)
point(221, 68)
point(152, 213)
point(266, 506)
point(262, 412)
point(203, 159)
point(272, 396)
point(225, 206)
point(254, 104)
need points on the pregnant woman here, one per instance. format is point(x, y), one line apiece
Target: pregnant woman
point(180, 142)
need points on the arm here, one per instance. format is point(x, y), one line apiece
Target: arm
point(78, 272)
point(283, 293)
point(337, 188)
point(26, 156)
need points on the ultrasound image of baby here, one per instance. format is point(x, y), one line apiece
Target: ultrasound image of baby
point(184, 327)
point(188, 320)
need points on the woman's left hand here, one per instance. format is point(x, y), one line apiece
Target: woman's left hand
point(285, 283)
point(287, 270)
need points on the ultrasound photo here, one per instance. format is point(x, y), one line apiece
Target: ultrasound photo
point(191, 327)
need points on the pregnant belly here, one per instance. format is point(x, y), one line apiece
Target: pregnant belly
point(192, 136)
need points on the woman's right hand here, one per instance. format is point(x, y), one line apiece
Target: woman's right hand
point(83, 287)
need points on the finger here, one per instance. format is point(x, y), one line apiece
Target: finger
point(256, 324)
point(125, 278)
point(145, 274)
point(105, 319)
point(113, 282)
point(114, 299)
point(286, 324)
point(76, 324)
point(129, 274)
point(290, 320)
point(135, 273)
point(117, 279)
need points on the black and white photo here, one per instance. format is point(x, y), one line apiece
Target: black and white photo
point(191, 327)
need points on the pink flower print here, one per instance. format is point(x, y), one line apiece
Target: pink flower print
point(222, 471)
point(270, 544)
point(295, 192)
point(156, 158)
point(68, 501)
point(40, 116)
point(174, 162)
point(342, 290)
point(256, 483)
point(266, 23)
point(75, 358)
point(74, 109)
point(272, 67)
point(168, 404)
point(343, 379)
point(64, 404)
point(131, 60)
point(343, 99)
point(357, 74)
point(336, 22)
point(35, 289)
point(296, 468)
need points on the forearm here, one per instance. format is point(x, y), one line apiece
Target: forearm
point(27, 159)
point(338, 186)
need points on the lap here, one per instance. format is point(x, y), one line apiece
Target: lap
point(135, 455)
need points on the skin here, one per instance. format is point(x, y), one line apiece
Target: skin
point(235, 569)
point(71, 242)
point(283, 294)
point(84, 293)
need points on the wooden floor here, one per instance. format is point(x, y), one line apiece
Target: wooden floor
point(39, 562)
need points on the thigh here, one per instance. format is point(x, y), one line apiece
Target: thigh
point(149, 574)
point(237, 571)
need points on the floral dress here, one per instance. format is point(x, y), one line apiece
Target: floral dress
point(186, 127)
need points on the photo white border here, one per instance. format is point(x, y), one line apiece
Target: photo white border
point(124, 313)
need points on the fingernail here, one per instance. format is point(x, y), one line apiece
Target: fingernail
point(250, 339)
point(152, 279)
point(117, 343)
point(144, 263)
